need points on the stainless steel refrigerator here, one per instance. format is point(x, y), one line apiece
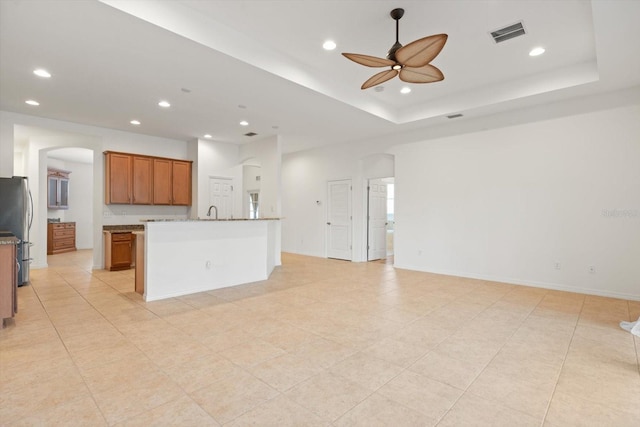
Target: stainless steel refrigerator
point(16, 216)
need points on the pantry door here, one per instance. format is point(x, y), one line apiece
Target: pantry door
point(221, 196)
point(339, 219)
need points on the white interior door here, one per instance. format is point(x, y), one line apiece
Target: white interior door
point(339, 220)
point(221, 196)
point(377, 220)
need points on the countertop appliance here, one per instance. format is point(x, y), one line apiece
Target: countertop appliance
point(16, 216)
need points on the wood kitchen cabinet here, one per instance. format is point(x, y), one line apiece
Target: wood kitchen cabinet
point(161, 181)
point(121, 251)
point(57, 189)
point(142, 182)
point(146, 180)
point(171, 182)
point(118, 178)
point(181, 183)
point(8, 282)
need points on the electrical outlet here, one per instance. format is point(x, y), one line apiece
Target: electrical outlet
point(207, 265)
point(592, 269)
point(557, 266)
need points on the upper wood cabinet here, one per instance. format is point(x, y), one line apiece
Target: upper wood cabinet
point(162, 181)
point(146, 180)
point(117, 178)
point(181, 183)
point(57, 189)
point(142, 182)
point(171, 182)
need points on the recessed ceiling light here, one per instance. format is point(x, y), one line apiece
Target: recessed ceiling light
point(379, 88)
point(135, 122)
point(164, 104)
point(275, 127)
point(536, 51)
point(405, 90)
point(208, 136)
point(242, 106)
point(244, 123)
point(185, 90)
point(41, 72)
point(329, 45)
point(32, 102)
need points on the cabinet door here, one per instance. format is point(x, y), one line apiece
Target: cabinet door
point(120, 254)
point(142, 183)
point(161, 182)
point(118, 178)
point(63, 193)
point(52, 192)
point(181, 183)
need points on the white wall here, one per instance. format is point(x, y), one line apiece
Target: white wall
point(268, 154)
point(505, 205)
point(304, 181)
point(508, 204)
point(217, 160)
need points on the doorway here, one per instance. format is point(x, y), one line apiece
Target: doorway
point(380, 218)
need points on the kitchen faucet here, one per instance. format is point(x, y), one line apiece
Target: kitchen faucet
point(209, 211)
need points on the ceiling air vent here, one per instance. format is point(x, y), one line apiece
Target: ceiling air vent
point(250, 134)
point(507, 33)
point(454, 116)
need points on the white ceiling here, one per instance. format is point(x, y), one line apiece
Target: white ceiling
point(112, 61)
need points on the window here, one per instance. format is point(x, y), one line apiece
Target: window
point(253, 205)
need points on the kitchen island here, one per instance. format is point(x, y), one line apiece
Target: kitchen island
point(185, 256)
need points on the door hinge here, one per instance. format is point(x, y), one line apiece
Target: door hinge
point(232, 188)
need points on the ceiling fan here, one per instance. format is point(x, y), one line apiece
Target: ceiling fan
point(410, 62)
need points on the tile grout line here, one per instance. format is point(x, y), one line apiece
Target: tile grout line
point(564, 359)
point(77, 368)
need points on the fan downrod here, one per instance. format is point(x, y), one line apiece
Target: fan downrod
point(396, 14)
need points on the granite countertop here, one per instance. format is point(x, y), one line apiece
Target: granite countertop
point(209, 219)
point(123, 228)
point(7, 238)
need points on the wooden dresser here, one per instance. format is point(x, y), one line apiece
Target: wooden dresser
point(61, 237)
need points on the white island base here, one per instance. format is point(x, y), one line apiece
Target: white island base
point(183, 257)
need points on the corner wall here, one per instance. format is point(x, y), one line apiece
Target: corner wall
point(536, 204)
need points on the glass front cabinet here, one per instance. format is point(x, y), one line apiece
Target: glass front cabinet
point(58, 189)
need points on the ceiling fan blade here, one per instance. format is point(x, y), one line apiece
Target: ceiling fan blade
point(425, 74)
point(421, 51)
point(369, 61)
point(381, 77)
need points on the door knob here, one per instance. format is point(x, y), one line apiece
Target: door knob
point(328, 223)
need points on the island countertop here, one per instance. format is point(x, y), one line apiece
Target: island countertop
point(208, 219)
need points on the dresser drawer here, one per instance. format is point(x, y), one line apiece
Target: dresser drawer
point(63, 244)
point(64, 232)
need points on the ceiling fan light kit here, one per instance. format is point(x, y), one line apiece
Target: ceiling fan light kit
point(410, 62)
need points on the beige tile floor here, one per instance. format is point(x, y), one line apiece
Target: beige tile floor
point(322, 342)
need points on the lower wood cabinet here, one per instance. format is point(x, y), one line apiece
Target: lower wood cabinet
point(8, 282)
point(119, 248)
point(61, 237)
